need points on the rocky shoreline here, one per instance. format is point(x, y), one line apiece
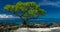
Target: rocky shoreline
point(31, 27)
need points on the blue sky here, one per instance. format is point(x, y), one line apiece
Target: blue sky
point(52, 7)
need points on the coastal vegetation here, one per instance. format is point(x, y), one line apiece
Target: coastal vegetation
point(25, 11)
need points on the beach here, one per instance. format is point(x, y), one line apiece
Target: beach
point(54, 29)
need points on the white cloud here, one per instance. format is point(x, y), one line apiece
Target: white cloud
point(46, 2)
point(7, 16)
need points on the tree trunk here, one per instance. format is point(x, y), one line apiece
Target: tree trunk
point(24, 22)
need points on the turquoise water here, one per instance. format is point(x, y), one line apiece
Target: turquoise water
point(19, 21)
point(11, 20)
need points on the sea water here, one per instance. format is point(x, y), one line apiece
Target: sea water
point(19, 21)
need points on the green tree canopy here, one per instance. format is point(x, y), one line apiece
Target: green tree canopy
point(25, 9)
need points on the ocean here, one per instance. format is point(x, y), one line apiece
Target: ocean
point(19, 21)
point(46, 20)
point(10, 20)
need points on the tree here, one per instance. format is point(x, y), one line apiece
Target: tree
point(25, 10)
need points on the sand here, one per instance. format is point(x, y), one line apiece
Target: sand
point(38, 29)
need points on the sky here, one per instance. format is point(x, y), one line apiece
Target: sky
point(52, 8)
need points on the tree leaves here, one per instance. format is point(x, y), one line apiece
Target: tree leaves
point(7, 7)
point(25, 9)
